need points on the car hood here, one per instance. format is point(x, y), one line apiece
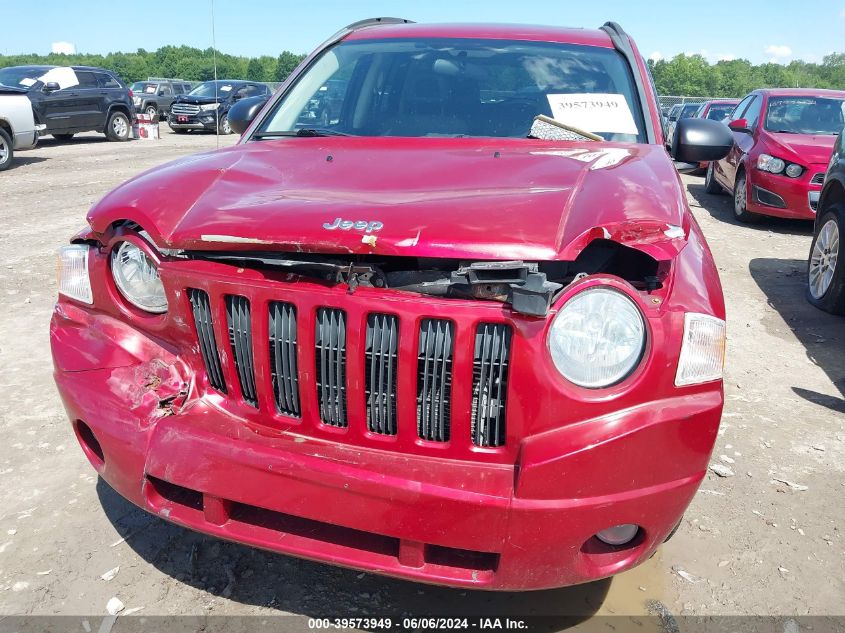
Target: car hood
point(807, 149)
point(462, 198)
point(197, 100)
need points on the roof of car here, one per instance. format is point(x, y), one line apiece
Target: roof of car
point(801, 92)
point(557, 34)
point(723, 102)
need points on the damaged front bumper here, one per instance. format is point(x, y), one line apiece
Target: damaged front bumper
point(172, 448)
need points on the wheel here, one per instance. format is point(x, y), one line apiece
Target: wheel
point(118, 128)
point(826, 279)
point(7, 152)
point(741, 211)
point(151, 111)
point(62, 137)
point(224, 127)
point(710, 184)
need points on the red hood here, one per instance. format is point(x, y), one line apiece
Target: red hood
point(806, 149)
point(461, 198)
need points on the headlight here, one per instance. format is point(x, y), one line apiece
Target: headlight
point(770, 164)
point(137, 279)
point(74, 281)
point(598, 338)
point(793, 170)
point(209, 106)
point(703, 350)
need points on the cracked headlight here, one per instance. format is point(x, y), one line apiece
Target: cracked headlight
point(137, 278)
point(597, 338)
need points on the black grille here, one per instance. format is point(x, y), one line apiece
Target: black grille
point(489, 383)
point(330, 343)
point(434, 379)
point(240, 336)
point(381, 362)
point(201, 307)
point(817, 179)
point(283, 358)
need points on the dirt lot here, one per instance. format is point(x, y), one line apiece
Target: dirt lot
point(750, 543)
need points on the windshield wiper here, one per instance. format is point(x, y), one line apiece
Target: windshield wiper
point(306, 131)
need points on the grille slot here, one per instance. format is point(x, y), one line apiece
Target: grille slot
point(283, 367)
point(240, 336)
point(330, 344)
point(434, 379)
point(817, 179)
point(201, 307)
point(380, 356)
point(489, 383)
point(184, 108)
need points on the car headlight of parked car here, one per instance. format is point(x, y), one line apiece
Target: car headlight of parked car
point(597, 338)
point(775, 165)
point(136, 277)
point(74, 281)
point(209, 106)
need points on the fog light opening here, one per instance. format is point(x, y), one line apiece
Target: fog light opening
point(90, 446)
point(618, 534)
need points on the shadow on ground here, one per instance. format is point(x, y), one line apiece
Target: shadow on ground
point(20, 161)
point(250, 576)
point(822, 335)
point(720, 207)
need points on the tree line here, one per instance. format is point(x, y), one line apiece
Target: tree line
point(694, 76)
point(183, 62)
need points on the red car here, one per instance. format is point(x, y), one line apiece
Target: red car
point(783, 142)
point(440, 338)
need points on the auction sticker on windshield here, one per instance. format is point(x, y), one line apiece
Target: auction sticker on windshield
point(594, 112)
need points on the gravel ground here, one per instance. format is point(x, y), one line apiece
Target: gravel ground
point(751, 543)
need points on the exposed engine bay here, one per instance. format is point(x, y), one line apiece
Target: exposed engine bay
point(529, 287)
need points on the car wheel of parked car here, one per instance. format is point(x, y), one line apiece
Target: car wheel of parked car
point(7, 152)
point(63, 137)
point(710, 184)
point(825, 275)
point(151, 112)
point(118, 127)
point(741, 211)
point(225, 128)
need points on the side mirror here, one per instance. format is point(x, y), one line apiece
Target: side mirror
point(244, 111)
point(739, 125)
point(51, 86)
point(699, 140)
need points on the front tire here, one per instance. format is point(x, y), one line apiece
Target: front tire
point(710, 184)
point(7, 152)
point(741, 211)
point(118, 127)
point(825, 273)
point(151, 111)
point(224, 127)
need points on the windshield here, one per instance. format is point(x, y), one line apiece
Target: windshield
point(20, 77)
point(460, 87)
point(212, 89)
point(805, 115)
point(719, 111)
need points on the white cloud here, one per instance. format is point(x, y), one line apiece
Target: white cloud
point(778, 51)
point(656, 56)
point(63, 48)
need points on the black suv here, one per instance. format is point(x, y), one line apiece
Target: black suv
point(154, 97)
point(207, 106)
point(72, 99)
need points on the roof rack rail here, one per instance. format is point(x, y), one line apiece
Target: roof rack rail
point(375, 22)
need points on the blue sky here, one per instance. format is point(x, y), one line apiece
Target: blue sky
point(754, 29)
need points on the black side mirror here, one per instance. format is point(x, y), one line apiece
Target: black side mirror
point(699, 140)
point(244, 111)
point(51, 86)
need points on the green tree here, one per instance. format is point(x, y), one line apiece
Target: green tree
point(286, 63)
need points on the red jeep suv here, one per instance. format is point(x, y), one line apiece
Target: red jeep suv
point(783, 142)
point(464, 330)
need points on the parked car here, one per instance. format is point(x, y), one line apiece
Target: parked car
point(17, 124)
point(717, 110)
point(72, 99)
point(679, 111)
point(443, 338)
point(154, 98)
point(826, 274)
point(324, 107)
point(207, 106)
point(783, 141)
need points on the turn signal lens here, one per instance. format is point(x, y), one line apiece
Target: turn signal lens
point(702, 356)
point(74, 281)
